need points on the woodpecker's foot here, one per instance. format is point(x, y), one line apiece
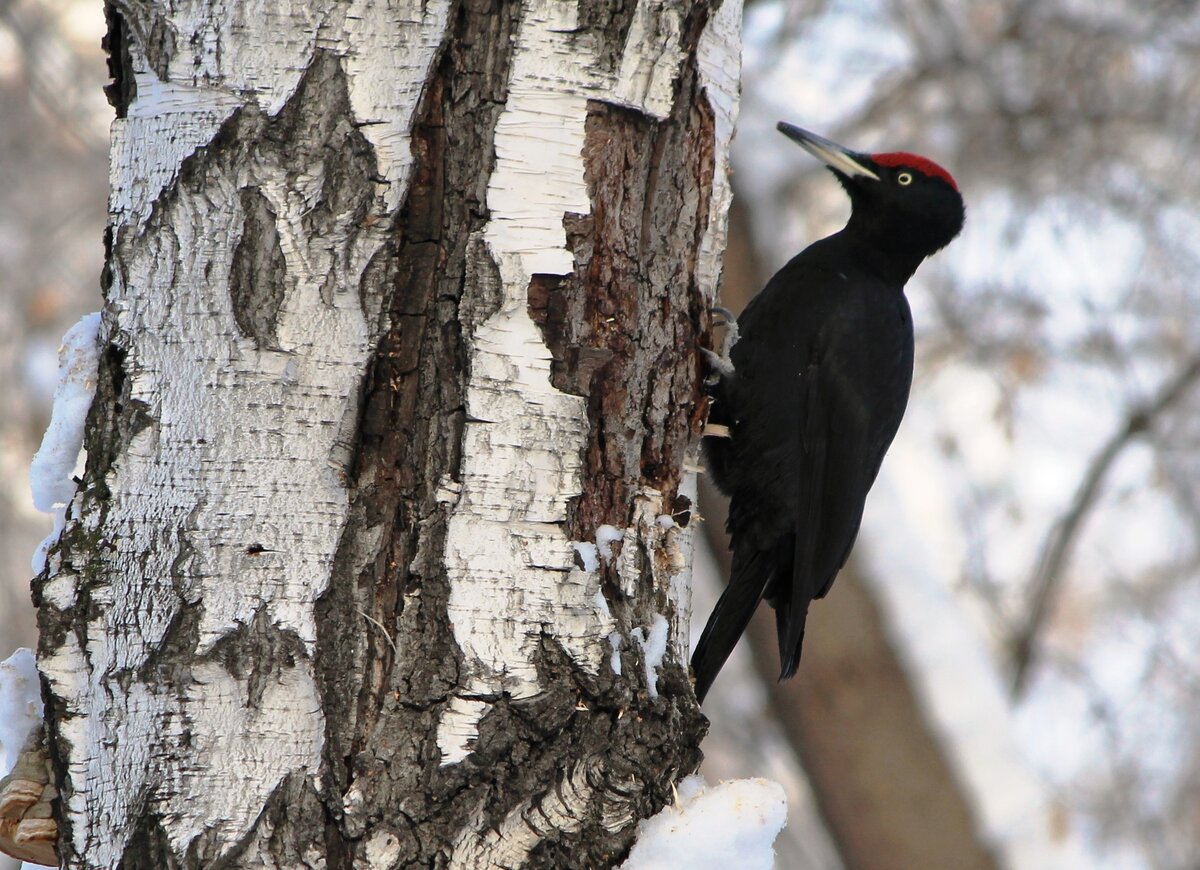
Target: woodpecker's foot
point(729, 321)
point(722, 366)
point(720, 363)
point(28, 831)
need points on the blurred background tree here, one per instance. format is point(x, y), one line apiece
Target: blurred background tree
point(1049, 455)
point(1048, 473)
point(53, 182)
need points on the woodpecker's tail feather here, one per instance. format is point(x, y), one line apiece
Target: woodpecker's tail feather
point(751, 575)
point(789, 658)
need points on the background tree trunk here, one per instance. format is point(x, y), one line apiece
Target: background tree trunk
point(402, 310)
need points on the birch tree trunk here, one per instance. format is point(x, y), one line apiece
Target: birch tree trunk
point(402, 309)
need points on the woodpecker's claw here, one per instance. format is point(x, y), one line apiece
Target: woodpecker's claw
point(721, 364)
point(727, 316)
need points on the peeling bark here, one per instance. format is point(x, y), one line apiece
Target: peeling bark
point(402, 305)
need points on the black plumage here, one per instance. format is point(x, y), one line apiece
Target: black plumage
point(820, 378)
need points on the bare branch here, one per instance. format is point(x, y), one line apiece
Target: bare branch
point(1057, 546)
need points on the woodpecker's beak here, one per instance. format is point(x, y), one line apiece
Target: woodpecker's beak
point(831, 154)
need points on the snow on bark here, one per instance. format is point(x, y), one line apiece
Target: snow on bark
point(670, 566)
point(20, 705)
point(733, 824)
point(653, 644)
point(513, 578)
point(606, 536)
point(228, 498)
point(52, 467)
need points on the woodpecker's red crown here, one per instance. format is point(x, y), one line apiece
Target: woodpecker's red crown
point(914, 161)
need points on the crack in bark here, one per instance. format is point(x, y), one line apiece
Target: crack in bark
point(258, 277)
point(380, 748)
point(122, 90)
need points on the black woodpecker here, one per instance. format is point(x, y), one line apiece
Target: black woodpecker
point(812, 390)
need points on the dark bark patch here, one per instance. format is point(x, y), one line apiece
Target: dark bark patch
point(121, 91)
point(116, 417)
point(383, 702)
point(258, 652)
point(258, 277)
point(624, 328)
point(171, 662)
point(148, 838)
point(607, 24)
point(149, 27)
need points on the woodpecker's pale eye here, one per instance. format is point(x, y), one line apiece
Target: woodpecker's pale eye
point(905, 178)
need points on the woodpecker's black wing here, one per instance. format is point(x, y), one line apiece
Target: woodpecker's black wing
point(821, 379)
point(791, 595)
point(838, 451)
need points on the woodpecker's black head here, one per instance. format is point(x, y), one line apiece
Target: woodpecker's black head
point(903, 205)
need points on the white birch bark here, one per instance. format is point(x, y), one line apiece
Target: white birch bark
point(233, 486)
point(524, 438)
point(215, 524)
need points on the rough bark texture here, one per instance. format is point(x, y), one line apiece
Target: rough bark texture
point(402, 304)
point(574, 764)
